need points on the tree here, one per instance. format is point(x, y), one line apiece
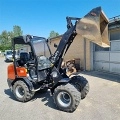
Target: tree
point(53, 34)
point(5, 41)
point(17, 31)
point(5, 37)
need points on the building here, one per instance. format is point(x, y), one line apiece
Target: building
point(109, 59)
point(92, 56)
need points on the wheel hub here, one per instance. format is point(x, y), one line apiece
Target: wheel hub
point(19, 91)
point(64, 99)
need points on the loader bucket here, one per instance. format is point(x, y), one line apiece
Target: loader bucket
point(94, 27)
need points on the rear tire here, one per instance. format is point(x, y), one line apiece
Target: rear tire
point(82, 84)
point(22, 92)
point(67, 97)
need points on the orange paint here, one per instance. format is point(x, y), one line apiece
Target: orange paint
point(11, 73)
point(21, 72)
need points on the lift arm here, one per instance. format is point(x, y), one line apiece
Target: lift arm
point(66, 40)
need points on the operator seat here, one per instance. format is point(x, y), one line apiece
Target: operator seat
point(24, 57)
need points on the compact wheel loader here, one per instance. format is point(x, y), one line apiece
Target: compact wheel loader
point(39, 70)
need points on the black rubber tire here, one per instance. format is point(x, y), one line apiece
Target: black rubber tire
point(27, 95)
point(73, 93)
point(82, 84)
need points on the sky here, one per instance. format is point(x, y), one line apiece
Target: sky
point(39, 17)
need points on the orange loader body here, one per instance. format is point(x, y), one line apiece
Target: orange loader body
point(21, 72)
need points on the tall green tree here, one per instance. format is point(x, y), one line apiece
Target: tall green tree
point(17, 31)
point(5, 42)
point(53, 34)
point(5, 37)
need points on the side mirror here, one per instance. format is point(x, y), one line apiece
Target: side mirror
point(55, 45)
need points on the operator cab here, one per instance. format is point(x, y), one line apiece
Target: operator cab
point(42, 52)
point(34, 56)
point(36, 50)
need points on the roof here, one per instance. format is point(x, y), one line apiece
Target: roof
point(22, 39)
point(26, 39)
point(114, 22)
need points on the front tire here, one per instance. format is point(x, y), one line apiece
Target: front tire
point(67, 97)
point(21, 91)
point(82, 85)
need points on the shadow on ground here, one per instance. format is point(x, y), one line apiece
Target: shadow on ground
point(46, 98)
point(10, 94)
point(103, 75)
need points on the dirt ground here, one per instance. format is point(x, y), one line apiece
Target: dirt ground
point(101, 103)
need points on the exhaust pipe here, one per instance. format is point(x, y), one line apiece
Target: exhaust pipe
point(94, 27)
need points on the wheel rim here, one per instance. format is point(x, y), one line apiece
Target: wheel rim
point(19, 91)
point(64, 99)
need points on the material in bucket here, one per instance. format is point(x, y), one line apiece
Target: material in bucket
point(94, 27)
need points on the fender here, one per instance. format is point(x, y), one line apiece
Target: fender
point(29, 83)
point(79, 81)
point(64, 80)
point(25, 79)
point(60, 82)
